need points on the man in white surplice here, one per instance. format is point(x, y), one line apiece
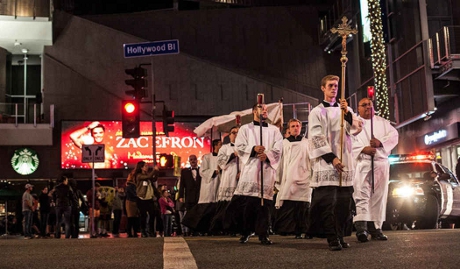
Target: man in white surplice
point(371, 206)
point(293, 183)
point(333, 171)
point(231, 165)
point(245, 213)
point(210, 174)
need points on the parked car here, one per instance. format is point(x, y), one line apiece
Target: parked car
point(422, 193)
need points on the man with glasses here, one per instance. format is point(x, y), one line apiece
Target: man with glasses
point(371, 203)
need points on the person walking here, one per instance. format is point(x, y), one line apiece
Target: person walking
point(293, 181)
point(230, 166)
point(332, 177)
point(371, 197)
point(248, 211)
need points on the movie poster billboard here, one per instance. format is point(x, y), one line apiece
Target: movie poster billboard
point(124, 153)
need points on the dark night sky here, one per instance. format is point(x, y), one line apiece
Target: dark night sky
point(87, 7)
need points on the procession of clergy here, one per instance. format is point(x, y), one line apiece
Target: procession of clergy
point(318, 186)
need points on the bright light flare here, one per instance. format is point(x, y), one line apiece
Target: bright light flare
point(130, 108)
point(407, 191)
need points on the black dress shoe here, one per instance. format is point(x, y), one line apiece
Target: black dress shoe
point(379, 236)
point(335, 246)
point(362, 237)
point(265, 241)
point(344, 244)
point(244, 239)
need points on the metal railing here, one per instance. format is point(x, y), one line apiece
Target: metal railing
point(14, 113)
point(444, 46)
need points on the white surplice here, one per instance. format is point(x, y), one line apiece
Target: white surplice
point(230, 169)
point(372, 206)
point(209, 184)
point(249, 182)
point(294, 173)
point(324, 137)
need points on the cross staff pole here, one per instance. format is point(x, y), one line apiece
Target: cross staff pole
point(238, 123)
point(260, 103)
point(344, 30)
point(370, 95)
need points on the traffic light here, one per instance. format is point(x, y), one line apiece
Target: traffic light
point(130, 118)
point(138, 82)
point(168, 121)
point(166, 161)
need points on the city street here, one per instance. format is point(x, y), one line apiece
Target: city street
point(405, 249)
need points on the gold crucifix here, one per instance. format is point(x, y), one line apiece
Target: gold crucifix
point(344, 30)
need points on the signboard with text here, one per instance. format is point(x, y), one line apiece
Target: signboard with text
point(124, 153)
point(93, 153)
point(151, 48)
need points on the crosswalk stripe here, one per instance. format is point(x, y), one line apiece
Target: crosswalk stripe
point(176, 254)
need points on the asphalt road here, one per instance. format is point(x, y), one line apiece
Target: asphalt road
point(404, 249)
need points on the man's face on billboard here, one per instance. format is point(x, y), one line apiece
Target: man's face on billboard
point(98, 135)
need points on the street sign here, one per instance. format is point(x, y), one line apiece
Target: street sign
point(93, 153)
point(151, 48)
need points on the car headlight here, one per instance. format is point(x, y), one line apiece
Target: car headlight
point(407, 191)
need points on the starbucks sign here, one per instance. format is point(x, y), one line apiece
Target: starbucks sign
point(25, 161)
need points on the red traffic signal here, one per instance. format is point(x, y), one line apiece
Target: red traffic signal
point(130, 119)
point(370, 92)
point(129, 107)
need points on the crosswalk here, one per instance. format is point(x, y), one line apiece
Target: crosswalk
point(176, 254)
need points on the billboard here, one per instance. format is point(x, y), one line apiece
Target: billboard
point(124, 153)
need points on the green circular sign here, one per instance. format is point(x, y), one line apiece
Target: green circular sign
point(25, 161)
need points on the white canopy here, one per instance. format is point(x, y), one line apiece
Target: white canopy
point(225, 122)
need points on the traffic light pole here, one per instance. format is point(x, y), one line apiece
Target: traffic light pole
point(154, 127)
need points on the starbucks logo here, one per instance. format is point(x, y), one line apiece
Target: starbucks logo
point(25, 161)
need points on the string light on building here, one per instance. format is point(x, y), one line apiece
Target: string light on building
point(378, 58)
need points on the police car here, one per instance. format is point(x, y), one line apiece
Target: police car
point(422, 193)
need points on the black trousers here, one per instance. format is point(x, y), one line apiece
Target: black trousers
point(330, 212)
point(116, 221)
point(132, 227)
point(152, 209)
point(245, 215)
point(75, 222)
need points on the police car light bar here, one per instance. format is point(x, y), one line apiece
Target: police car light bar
point(411, 157)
